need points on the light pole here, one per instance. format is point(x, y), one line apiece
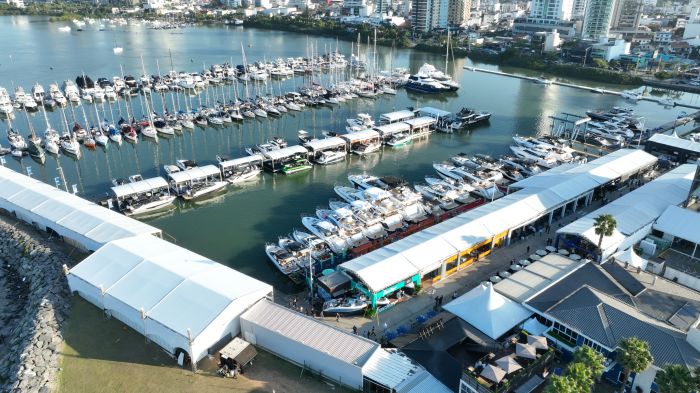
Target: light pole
point(585, 55)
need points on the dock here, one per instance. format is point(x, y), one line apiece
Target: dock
point(575, 86)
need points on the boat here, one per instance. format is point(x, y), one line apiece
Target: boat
point(541, 157)
point(667, 102)
point(70, 145)
point(17, 141)
point(423, 85)
point(327, 231)
point(326, 157)
point(5, 102)
point(631, 95)
point(541, 80)
point(346, 306)
point(38, 93)
point(361, 123)
point(400, 139)
point(468, 116)
point(320, 251)
point(343, 218)
point(64, 29)
point(284, 260)
point(296, 165)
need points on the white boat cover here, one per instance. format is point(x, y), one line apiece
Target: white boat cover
point(393, 117)
point(487, 310)
point(166, 292)
point(393, 128)
point(194, 174)
point(636, 210)
point(681, 223)
point(82, 222)
point(286, 152)
point(420, 122)
point(139, 187)
point(256, 158)
point(360, 135)
point(433, 112)
point(326, 143)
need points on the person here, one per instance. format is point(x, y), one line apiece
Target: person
point(373, 333)
point(528, 249)
point(337, 318)
point(321, 314)
point(454, 295)
point(354, 329)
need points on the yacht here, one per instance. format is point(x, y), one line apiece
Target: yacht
point(444, 197)
point(71, 91)
point(400, 139)
point(347, 306)
point(17, 141)
point(326, 157)
point(284, 260)
point(56, 95)
point(543, 81)
point(419, 84)
point(320, 250)
point(24, 100)
point(70, 145)
point(468, 116)
point(428, 71)
point(384, 203)
point(38, 93)
point(5, 102)
point(361, 123)
point(326, 231)
point(541, 157)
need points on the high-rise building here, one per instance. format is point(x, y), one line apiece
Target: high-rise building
point(458, 12)
point(381, 7)
point(626, 15)
point(426, 14)
point(598, 19)
point(550, 11)
point(579, 9)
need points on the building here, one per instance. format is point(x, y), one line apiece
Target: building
point(334, 354)
point(582, 303)
point(578, 9)
point(78, 222)
point(597, 19)
point(182, 301)
point(381, 7)
point(459, 12)
point(550, 11)
point(551, 41)
point(610, 50)
point(626, 15)
point(426, 14)
point(16, 3)
point(663, 37)
point(677, 149)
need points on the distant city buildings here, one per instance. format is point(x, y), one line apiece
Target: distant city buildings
point(459, 12)
point(598, 18)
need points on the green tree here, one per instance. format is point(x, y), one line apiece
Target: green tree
point(600, 63)
point(580, 373)
point(633, 354)
point(674, 378)
point(605, 225)
point(595, 361)
point(563, 384)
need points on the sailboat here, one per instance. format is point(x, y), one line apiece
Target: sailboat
point(35, 150)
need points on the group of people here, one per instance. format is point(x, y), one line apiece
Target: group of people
point(229, 368)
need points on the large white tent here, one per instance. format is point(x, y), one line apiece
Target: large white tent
point(80, 222)
point(173, 296)
point(636, 211)
point(680, 223)
point(487, 310)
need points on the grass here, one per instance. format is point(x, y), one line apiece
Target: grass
point(104, 355)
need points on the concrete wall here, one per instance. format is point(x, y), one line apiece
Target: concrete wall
point(682, 278)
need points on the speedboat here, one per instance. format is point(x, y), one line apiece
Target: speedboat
point(326, 231)
point(5, 102)
point(284, 260)
point(362, 122)
point(331, 156)
point(16, 140)
point(344, 306)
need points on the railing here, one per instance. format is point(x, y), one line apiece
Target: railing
point(514, 380)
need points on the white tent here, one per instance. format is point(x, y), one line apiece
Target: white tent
point(631, 257)
point(681, 223)
point(176, 298)
point(79, 221)
point(487, 310)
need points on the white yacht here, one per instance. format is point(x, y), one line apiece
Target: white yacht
point(331, 156)
point(5, 102)
point(362, 122)
point(38, 93)
point(349, 228)
point(541, 157)
point(326, 231)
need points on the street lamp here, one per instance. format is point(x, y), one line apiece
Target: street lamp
point(585, 55)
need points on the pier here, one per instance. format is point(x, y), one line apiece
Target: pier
point(575, 86)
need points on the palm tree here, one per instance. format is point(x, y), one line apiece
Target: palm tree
point(633, 354)
point(605, 225)
point(675, 378)
point(592, 359)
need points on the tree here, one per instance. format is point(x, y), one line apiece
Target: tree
point(600, 63)
point(633, 354)
point(581, 374)
point(605, 225)
point(564, 384)
point(593, 360)
point(675, 378)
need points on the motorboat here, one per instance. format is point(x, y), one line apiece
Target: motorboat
point(70, 145)
point(56, 95)
point(326, 157)
point(283, 259)
point(320, 250)
point(296, 165)
point(38, 93)
point(24, 100)
point(543, 81)
point(17, 141)
point(349, 228)
point(631, 95)
point(346, 306)
point(327, 231)
point(362, 122)
point(400, 139)
point(6, 106)
point(443, 200)
point(541, 157)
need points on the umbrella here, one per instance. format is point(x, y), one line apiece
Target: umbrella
point(495, 279)
point(525, 262)
point(550, 249)
point(504, 274)
point(493, 373)
point(541, 252)
point(563, 251)
point(525, 351)
point(575, 257)
point(535, 257)
point(508, 364)
point(538, 342)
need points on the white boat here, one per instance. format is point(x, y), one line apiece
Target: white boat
point(150, 206)
point(667, 102)
point(64, 29)
point(361, 123)
point(631, 95)
point(400, 139)
point(5, 102)
point(385, 204)
point(117, 50)
point(16, 140)
point(70, 146)
point(331, 156)
point(326, 231)
point(345, 221)
point(203, 189)
point(543, 81)
point(541, 157)
point(344, 306)
point(56, 95)
point(444, 201)
point(38, 93)
point(284, 260)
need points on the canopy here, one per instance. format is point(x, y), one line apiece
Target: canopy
point(419, 122)
point(360, 135)
point(526, 351)
point(681, 223)
point(675, 141)
point(380, 269)
point(256, 158)
point(139, 187)
point(433, 112)
point(488, 310)
point(508, 364)
point(326, 143)
point(166, 292)
point(493, 373)
point(393, 128)
point(194, 174)
point(286, 152)
point(631, 257)
point(538, 342)
point(393, 117)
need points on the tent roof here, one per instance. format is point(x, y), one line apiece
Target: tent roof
point(196, 173)
point(393, 128)
point(675, 141)
point(679, 222)
point(286, 152)
point(326, 143)
point(631, 257)
point(174, 286)
point(397, 116)
point(420, 121)
point(433, 112)
point(76, 214)
point(139, 187)
point(360, 135)
point(638, 208)
point(241, 161)
point(489, 311)
point(389, 368)
point(380, 269)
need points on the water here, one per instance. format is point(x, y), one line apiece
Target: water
point(234, 227)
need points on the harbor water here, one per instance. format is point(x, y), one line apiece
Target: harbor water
point(233, 228)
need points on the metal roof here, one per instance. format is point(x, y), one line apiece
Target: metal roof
point(193, 174)
point(674, 141)
point(389, 368)
point(286, 152)
point(392, 117)
point(681, 223)
point(326, 143)
point(360, 135)
point(139, 187)
point(344, 346)
point(393, 128)
point(256, 158)
point(524, 284)
point(433, 112)
point(420, 122)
